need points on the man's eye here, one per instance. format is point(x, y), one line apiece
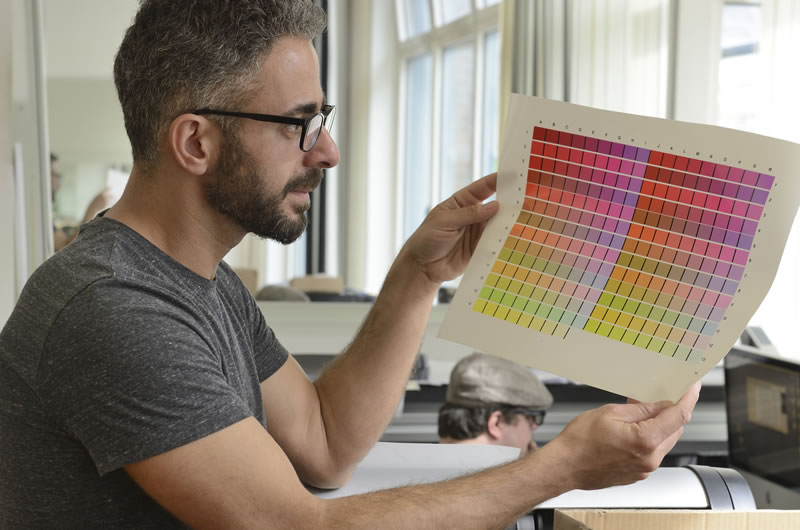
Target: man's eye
point(294, 129)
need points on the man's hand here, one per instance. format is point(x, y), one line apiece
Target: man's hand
point(620, 444)
point(442, 246)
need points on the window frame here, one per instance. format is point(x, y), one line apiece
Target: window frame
point(472, 28)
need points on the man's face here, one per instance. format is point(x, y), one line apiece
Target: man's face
point(262, 179)
point(518, 433)
point(241, 191)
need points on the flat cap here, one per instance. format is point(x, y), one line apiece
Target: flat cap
point(480, 379)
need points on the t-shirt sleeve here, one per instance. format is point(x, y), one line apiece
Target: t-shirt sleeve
point(149, 382)
point(270, 354)
point(268, 351)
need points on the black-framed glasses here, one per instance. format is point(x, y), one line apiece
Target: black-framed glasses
point(312, 126)
point(536, 416)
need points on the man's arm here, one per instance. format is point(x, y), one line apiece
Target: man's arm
point(327, 428)
point(240, 478)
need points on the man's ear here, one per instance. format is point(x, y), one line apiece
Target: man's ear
point(493, 425)
point(194, 142)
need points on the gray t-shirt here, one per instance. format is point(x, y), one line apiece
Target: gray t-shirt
point(115, 353)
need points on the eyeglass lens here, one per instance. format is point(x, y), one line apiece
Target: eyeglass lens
point(538, 417)
point(314, 128)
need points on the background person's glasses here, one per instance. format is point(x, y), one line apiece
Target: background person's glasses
point(312, 126)
point(537, 416)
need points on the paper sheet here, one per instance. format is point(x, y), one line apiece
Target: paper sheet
point(629, 252)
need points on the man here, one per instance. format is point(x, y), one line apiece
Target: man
point(493, 401)
point(141, 386)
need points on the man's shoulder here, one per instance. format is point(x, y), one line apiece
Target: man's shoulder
point(100, 252)
point(109, 250)
point(107, 266)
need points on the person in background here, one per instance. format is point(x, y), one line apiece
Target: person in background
point(140, 384)
point(493, 401)
point(63, 233)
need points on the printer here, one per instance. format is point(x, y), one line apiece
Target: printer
point(390, 465)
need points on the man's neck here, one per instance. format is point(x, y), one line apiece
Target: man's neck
point(172, 213)
point(481, 439)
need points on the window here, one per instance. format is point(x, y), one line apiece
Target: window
point(449, 76)
point(759, 45)
point(454, 9)
point(617, 55)
point(490, 149)
point(458, 93)
point(417, 154)
point(739, 65)
point(417, 16)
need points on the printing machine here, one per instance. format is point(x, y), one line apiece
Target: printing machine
point(691, 487)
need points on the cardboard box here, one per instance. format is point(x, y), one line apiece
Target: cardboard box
point(249, 278)
point(676, 520)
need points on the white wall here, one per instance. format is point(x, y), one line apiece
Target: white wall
point(372, 135)
point(86, 128)
point(83, 35)
point(697, 57)
point(7, 288)
point(28, 117)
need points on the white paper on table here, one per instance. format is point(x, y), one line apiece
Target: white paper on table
point(691, 305)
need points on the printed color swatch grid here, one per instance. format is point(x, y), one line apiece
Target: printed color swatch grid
point(637, 245)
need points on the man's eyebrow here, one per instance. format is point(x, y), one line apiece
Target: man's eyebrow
point(307, 108)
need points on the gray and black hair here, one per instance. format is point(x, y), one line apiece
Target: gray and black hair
point(181, 55)
point(465, 423)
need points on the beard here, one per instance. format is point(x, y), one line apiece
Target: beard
point(240, 192)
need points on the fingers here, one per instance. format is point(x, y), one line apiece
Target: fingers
point(619, 444)
point(465, 207)
point(638, 411)
point(667, 445)
point(666, 422)
point(693, 394)
point(477, 192)
point(459, 217)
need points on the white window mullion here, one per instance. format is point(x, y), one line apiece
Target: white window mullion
point(436, 118)
point(402, 24)
point(477, 106)
point(436, 15)
point(599, 22)
point(402, 109)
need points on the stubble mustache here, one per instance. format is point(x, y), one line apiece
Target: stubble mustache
point(308, 180)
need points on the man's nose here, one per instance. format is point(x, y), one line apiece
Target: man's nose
point(325, 153)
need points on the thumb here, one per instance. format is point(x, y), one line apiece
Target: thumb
point(636, 412)
point(457, 218)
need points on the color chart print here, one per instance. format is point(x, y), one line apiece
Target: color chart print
point(633, 244)
point(628, 252)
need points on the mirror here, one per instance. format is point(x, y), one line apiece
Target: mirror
point(86, 130)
